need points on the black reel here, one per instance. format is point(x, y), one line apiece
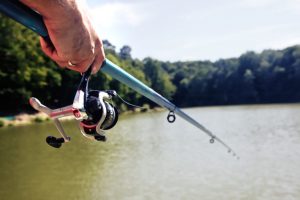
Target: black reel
point(95, 110)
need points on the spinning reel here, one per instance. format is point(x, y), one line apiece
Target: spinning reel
point(92, 108)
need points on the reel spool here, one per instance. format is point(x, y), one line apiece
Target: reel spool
point(102, 115)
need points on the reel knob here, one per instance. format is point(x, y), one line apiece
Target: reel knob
point(101, 138)
point(55, 142)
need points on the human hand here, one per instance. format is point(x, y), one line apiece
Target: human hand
point(74, 42)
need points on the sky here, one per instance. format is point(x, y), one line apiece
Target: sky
point(171, 30)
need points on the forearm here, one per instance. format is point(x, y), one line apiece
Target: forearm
point(52, 9)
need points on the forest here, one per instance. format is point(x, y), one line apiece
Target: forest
point(271, 76)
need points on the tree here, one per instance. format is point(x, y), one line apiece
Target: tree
point(108, 46)
point(24, 70)
point(125, 52)
point(159, 79)
point(267, 77)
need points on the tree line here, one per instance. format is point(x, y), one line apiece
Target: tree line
point(272, 76)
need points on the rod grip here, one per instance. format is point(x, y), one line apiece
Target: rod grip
point(24, 15)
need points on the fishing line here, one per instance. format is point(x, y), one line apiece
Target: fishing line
point(130, 104)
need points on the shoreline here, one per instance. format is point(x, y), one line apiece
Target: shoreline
point(24, 119)
point(29, 118)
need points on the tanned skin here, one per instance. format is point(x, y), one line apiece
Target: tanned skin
point(75, 43)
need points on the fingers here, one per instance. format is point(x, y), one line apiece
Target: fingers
point(82, 66)
point(49, 50)
point(61, 64)
point(98, 60)
point(94, 61)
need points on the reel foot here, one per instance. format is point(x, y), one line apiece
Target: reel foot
point(55, 142)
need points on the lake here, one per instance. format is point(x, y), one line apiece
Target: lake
point(145, 157)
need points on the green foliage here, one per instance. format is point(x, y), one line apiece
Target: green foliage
point(24, 69)
point(1, 123)
point(269, 77)
point(159, 79)
point(39, 120)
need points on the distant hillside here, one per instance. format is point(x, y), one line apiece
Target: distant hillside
point(267, 77)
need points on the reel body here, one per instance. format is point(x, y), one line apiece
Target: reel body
point(102, 115)
point(93, 109)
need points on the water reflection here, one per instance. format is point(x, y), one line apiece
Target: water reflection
point(148, 158)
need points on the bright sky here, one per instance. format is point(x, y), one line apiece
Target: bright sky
point(197, 29)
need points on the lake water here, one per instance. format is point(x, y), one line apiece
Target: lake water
point(147, 158)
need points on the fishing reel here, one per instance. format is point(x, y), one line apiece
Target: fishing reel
point(93, 109)
point(101, 114)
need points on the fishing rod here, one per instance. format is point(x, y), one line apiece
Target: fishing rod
point(34, 21)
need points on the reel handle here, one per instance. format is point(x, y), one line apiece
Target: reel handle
point(61, 130)
point(55, 142)
point(37, 105)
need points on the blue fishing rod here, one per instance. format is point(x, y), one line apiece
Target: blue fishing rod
point(34, 21)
